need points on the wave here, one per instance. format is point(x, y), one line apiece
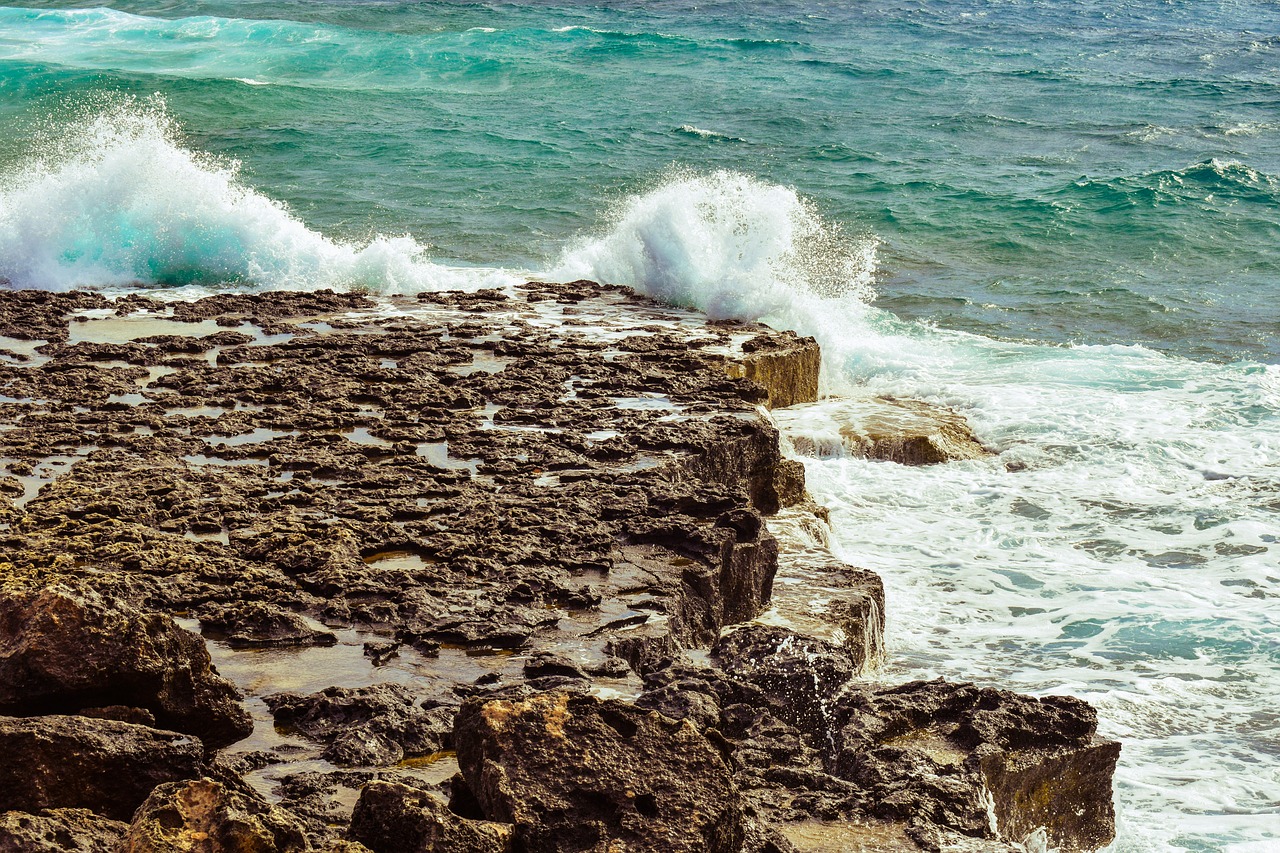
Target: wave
point(117, 200)
point(711, 135)
point(1211, 181)
point(734, 247)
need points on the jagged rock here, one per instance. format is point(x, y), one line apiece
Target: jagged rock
point(909, 432)
point(375, 725)
point(575, 773)
point(786, 365)
point(249, 624)
point(933, 752)
point(800, 675)
point(60, 831)
point(64, 649)
point(204, 816)
point(106, 766)
point(392, 818)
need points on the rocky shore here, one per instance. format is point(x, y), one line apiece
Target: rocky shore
point(513, 571)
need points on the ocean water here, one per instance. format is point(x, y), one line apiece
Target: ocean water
point(1062, 220)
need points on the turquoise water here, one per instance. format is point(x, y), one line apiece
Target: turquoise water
point(1061, 219)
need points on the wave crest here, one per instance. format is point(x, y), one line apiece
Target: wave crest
point(115, 199)
point(730, 245)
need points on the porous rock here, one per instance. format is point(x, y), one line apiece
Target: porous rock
point(106, 766)
point(259, 624)
point(576, 773)
point(205, 816)
point(65, 649)
point(375, 725)
point(60, 831)
point(394, 818)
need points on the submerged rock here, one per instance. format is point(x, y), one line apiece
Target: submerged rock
point(109, 767)
point(909, 432)
point(65, 649)
point(204, 816)
point(575, 773)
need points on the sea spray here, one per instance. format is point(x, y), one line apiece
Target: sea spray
point(735, 247)
point(114, 198)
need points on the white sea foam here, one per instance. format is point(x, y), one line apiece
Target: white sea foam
point(1120, 547)
point(116, 199)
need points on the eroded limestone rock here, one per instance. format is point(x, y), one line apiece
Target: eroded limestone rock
point(391, 818)
point(574, 773)
point(109, 767)
point(63, 649)
point(60, 831)
point(204, 816)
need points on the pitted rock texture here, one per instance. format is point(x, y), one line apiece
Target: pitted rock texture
point(205, 816)
point(391, 818)
point(65, 649)
point(71, 762)
point(60, 831)
point(575, 773)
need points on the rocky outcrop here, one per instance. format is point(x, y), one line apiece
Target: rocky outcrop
point(204, 816)
point(392, 818)
point(109, 767)
point(65, 649)
point(574, 773)
point(510, 501)
point(60, 831)
point(909, 432)
point(787, 366)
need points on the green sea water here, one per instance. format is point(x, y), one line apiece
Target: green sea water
point(1062, 220)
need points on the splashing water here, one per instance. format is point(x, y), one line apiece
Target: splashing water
point(117, 200)
point(730, 245)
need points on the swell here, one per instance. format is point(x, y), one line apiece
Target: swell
point(117, 199)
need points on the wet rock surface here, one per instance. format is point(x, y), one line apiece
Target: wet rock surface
point(407, 527)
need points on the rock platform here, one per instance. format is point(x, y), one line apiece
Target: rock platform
point(519, 570)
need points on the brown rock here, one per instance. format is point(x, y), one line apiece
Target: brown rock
point(77, 762)
point(393, 818)
point(909, 432)
point(60, 831)
point(64, 649)
point(204, 816)
point(575, 773)
point(786, 365)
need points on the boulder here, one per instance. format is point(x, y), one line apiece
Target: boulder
point(59, 762)
point(365, 726)
point(576, 773)
point(63, 650)
point(394, 818)
point(800, 675)
point(60, 831)
point(980, 760)
point(204, 816)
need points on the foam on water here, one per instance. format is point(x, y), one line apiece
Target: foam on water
point(1120, 547)
point(116, 199)
point(732, 246)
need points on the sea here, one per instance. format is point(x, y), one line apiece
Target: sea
point(1060, 219)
